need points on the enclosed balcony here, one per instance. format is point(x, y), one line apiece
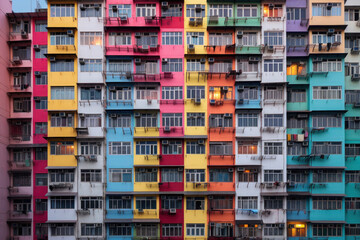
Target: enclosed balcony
point(326, 41)
point(323, 13)
point(21, 57)
point(20, 27)
point(61, 15)
point(20, 131)
point(219, 96)
point(62, 42)
point(147, 97)
point(20, 159)
point(21, 82)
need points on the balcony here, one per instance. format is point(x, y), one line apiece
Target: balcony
point(62, 22)
point(151, 21)
point(143, 160)
point(25, 215)
point(20, 131)
point(62, 105)
point(23, 164)
point(225, 49)
point(20, 63)
point(19, 36)
point(297, 51)
point(327, 48)
point(215, 21)
point(62, 49)
point(240, 49)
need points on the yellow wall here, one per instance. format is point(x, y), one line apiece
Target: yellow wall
point(62, 160)
point(148, 213)
point(196, 216)
point(62, 22)
point(326, 20)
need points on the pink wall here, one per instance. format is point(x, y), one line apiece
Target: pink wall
point(5, 7)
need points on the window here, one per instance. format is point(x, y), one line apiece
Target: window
point(193, 147)
point(249, 93)
point(295, 122)
point(147, 93)
point(352, 123)
point(220, 93)
point(172, 65)
point(146, 120)
point(195, 119)
point(352, 96)
point(195, 175)
point(273, 93)
point(296, 204)
point(173, 10)
point(146, 148)
point(62, 10)
point(148, 67)
point(323, 9)
point(221, 148)
point(116, 38)
point(273, 120)
point(273, 65)
point(147, 230)
point(245, 66)
point(328, 65)
point(122, 66)
point(195, 203)
point(220, 39)
point(41, 128)
point(120, 175)
point(221, 230)
point(61, 38)
point(195, 92)
point(192, 10)
point(274, 11)
point(145, 10)
point(63, 202)
point(321, 148)
point(273, 148)
point(326, 121)
point(220, 120)
point(327, 203)
point(120, 121)
point(248, 10)
point(146, 175)
point(90, 148)
point(40, 153)
point(120, 202)
point(196, 38)
point(296, 95)
point(65, 65)
point(21, 155)
point(247, 202)
point(248, 147)
point(91, 65)
point(352, 15)
point(296, 40)
point(171, 202)
point(22, 80)
point(90, 93)
point(221, 10)
point(352, 203)
point(40, 26)
point(273, 175)
point(172, 230)
point(91, 38)
point(120, 10)
point(221, 202)
point(120, 229)
point(61, 148)
point(91, 202)
point(321, 176)
point(352, 41)
point(352, 150)
point(21, 25)
point(90, 175)
point(297, 149)
point(172, 38)
point(248, 230)
point(90, 120)
point(220, 67)
point(295, 13)
point(41, 79)
point(195, 229)
point(352, 229)
point(147, 39)
point(248, 39)
point(327, 92)
point(250, 175)
point(22, 104)
point(63, 229)
point(41, 205)
point(120, 93)
point(41, 103)
point(91, 229)
point(248, 119)
point(21, 229)
point(62, 120)
point(273, 38)
point(172, 93)
point(41, 53)
point(24, 53)
point(172, 175)
point(145, 202)
point(172, 119)
point(21, 205)
point(90, 10)
point(172, 148)
point(62, 176)
point(221, 175)
point(273, 202)
point(273, 230)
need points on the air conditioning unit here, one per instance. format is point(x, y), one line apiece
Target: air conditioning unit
point(270, 48)
point(180, 169)
point(12, 21)
point(167, 129)
point(331, 31)
point(37, 74)
point(164, 4)
point(164, 60)
point(254, 59)
point(83, 6)
point(137, 60)
point(201, 142)
point(240, 169)
point(269, 185)
point(81, 115)
point(239, 34)
point(123, 18)
point(290, 143)
point(357, 119)
point(355, 76)
point(52, 59)
point(197, 101)
point(137, 35)
point(97, 87)
point(93, 158)
point(113, 115)
point(145, 47)
point(302, 116)
point(191, 47)
point(16, 59)
point(37, 99)
point(154, 170)
point(230, 170)
point(70, 32)
point(305, 144)
point(114, 8)
point(137, 114)
point(82, 61)
point(140, 210)
point(97, 6)
point(16, 74)
point(203, 60)
point(241, 88)
point(227, 115)
point(37, 48)
point(211, 60)
point(355, 49)
point(165, 142)
point(112, 88)
point(198, 8)
point(62, 114)
point(317, 60)
point(172, 210)
point(212, 101)
point(281, 225)
point(240, 101)
point(24, 34)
